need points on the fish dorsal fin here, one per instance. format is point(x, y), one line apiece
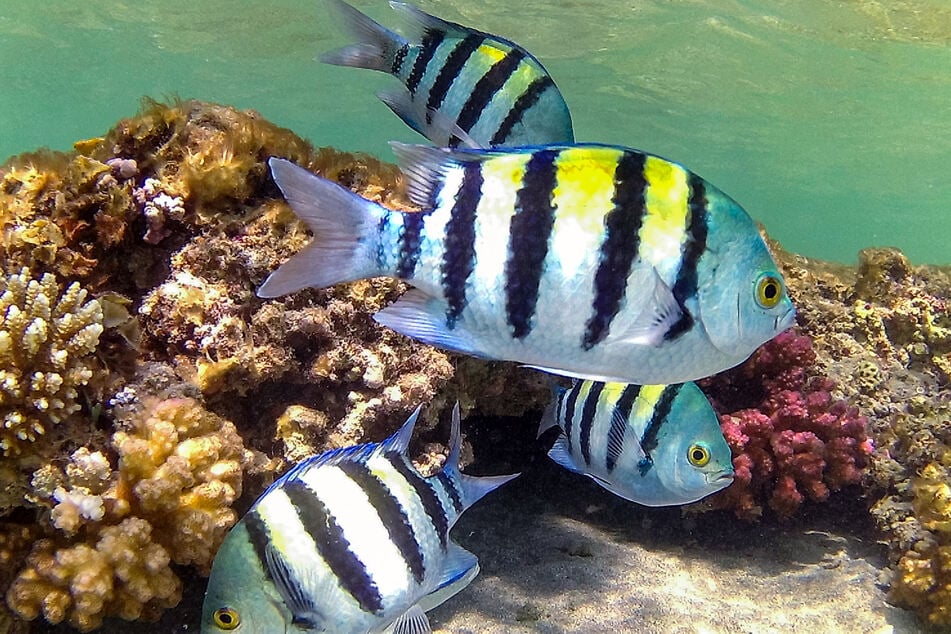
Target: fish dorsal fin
point(413, 621)
point(561, 454)
point(425, 168)
point(648, 323)
point(301, 606)
point(399, 441)
point(421, 22)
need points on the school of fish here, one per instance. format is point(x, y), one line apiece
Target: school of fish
point(618, 268)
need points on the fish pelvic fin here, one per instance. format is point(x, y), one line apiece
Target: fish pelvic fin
point(375, 46)
point(345, 230)
point(471, 488)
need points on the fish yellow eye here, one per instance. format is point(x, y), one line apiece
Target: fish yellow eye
point(227, 618)
point(698, 455)
point(769, 290)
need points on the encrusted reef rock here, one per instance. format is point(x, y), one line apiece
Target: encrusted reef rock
point(882, 332)
point(148, 395)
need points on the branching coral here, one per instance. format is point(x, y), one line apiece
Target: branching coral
point(47, 339)
point(791, 440)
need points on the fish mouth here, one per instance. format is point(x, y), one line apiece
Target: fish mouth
point(722, 478)
point(787, 320)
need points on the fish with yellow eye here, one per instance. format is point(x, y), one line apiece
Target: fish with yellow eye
point(657, 445)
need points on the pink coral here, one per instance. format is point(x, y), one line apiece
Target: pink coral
point(791, 440)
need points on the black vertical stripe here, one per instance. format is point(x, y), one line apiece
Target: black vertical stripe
point(258, 535)
point(427, 48)
point(529, 232)
point(398, 59)
point(333, 546)
point(525, 101)
point(658, 418)
point(486, 88)
point(570, 401)
point(410, 241)
point(451, 489)
point(458, 260)
point(391, 514)
point(619, 248)
point(691, 252)
point(381, 249)
point(619, 424)
point(451, 70)
point(587, 419)
point(427, 496)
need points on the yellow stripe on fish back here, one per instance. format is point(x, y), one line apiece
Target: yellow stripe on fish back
point(611, 394)
point(491, 51)
point(665, 225)
point(647, 400)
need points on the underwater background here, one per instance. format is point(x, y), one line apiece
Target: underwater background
point(829, 120)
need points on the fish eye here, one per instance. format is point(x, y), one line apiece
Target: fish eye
point(698, 455)
point(769, 290)
point(227, 618)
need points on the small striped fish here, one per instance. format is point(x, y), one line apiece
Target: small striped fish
point(351, 541)
point(590, 261)
point(461, 85)
point(658, 445)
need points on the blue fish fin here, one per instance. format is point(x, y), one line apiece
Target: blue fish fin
point(375, 47)
point(413, 621)
point(459, 569)
point(658, 313)
point(438, 127)
point(550, 415)
point(422, 317)
point(303, 609)
point(471, 488)
point(560, 453)
point(345, 230)
point(399, 441)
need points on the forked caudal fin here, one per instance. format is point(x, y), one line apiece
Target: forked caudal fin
point(375, 45)
point(344, 227)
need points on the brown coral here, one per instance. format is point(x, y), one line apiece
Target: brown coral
point(47, 339)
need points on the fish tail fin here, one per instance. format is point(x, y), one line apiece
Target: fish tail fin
point(472, 488)
point(375, 46)
point(345, 227)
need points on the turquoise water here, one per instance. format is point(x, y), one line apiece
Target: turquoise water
point(830, 121)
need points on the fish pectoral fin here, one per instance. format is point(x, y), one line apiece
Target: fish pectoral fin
point(413, 621)
point(625, 444)
point(561, 454)
point(659, 312)
point(302, 607)
point(422, 317)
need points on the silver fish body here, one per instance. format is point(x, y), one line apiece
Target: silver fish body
point(349, 542)
point(460, 86)
point(657, 445)
point(590, 261)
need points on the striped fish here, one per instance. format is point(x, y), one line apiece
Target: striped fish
point(658, 445)
point(351, 541)
point(590, 261)
point(459, 85)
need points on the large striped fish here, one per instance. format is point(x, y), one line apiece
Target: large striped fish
point(658, 445)
point(459, 84)
point(349, 542)
point(590, 261)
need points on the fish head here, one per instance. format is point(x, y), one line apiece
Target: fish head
point(692, 458)
point(240, 599)
point(742, 296)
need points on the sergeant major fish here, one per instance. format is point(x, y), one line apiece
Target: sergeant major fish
point(657, 445)
point(590, 261)
point(460, 84)
point(352, 541)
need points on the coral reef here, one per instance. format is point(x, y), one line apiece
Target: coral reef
point(791, 440)
point(170, 221)
point(881, 332)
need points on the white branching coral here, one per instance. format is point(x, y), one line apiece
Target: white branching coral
point(47, 339)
